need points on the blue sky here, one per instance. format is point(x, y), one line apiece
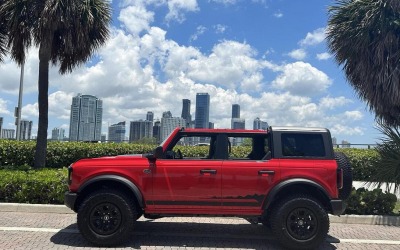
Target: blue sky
point(270, 57)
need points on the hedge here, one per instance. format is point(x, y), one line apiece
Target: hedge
point(62, 154)
point(45, 186)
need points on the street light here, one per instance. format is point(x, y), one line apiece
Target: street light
point(18, 109)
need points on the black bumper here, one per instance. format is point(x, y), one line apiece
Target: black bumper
point(70, 199)
point(338, 207)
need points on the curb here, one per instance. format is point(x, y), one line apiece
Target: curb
point(385, 220)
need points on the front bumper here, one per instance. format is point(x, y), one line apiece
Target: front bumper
point(70, 199)
point(338, 207)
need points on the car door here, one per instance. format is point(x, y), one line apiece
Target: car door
point(187, 185)
point(247, 181)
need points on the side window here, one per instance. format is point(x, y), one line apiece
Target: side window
point(248, 148)
point(303, 145)
point(192, 147)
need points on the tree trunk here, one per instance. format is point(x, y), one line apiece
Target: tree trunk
point(43, 102)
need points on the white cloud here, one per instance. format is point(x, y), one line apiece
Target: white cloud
point(301, 78)
point(278, 14)
point(219, 28)
point(333, 102)
point(136, 18)
point(314, 38)
point(199, 31)
point(3, 107)
point(298, 54)
point(178, 7)
point(225, 2)
point(354, 115)
point(340, 129)
point(323, 56)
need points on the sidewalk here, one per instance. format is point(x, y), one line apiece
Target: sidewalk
point(343, 219)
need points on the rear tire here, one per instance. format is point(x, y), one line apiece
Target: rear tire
point(106, 218)
point(299, 222)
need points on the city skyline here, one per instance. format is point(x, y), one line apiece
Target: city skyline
point(254, 53)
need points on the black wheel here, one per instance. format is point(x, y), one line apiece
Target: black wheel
point(344, 164)
point(299, 222)
point(106, 218)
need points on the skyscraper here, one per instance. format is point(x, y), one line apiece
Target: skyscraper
point(140, 129)
point(8, 134)
point(186, 112)
point(258, 124)
point(86, 118)
point(150, 116)
point(157, 131)
point(170, 123)
point(235, 111)
point(116, 132)
point(58, 134)
point(202, 110)
point(25, 130)
point(1, 125)
point(237, 123)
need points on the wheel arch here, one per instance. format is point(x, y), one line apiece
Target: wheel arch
point(297, 185)
point(109, 182)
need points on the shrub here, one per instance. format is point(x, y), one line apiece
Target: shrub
point(375, 202)
point(45, 186)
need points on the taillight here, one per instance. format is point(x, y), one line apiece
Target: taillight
point(339, 178)
point(70, 174)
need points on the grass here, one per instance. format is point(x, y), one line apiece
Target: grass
point(396, 209)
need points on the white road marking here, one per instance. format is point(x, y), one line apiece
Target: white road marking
point(76, 231)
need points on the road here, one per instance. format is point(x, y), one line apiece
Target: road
point(22, 230)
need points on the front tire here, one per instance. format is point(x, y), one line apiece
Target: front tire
point(299, 222)
point(106, 218)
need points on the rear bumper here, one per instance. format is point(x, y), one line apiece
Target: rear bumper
point(338, 207)
point(70, 199)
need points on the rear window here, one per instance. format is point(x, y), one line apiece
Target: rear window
point(304, 145)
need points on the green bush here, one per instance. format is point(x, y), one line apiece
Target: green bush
point(375, 202)
point(361, 161)
point(45, 186)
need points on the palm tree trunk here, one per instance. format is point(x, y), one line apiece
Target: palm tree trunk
point(43, 101)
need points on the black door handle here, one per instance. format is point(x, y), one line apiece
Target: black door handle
point(266, 172)
point(208, 171)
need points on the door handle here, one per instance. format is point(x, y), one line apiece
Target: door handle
point(266, 172)
point(208, 171)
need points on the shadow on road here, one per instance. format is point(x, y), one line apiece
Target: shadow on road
point(156, 234)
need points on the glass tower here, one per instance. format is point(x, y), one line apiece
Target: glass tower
point(202, 110)
point(86, 118)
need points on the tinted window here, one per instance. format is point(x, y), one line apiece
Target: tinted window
point(306, 145)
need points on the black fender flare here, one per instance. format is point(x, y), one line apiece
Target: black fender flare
point(282, 185)
point(131, 186)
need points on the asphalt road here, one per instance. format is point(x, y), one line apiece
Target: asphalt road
point(27, 230)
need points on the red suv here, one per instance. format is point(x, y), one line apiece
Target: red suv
point(286, 178)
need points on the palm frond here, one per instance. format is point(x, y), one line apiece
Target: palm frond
point(364, 37)
point(388, 164)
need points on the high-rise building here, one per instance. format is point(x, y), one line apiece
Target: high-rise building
point(150, 116)
point(86, 118)
point(1, 125)
point(170, 123)
point(186, 112)
point(258, 124)
point(202, 115)
point(238, 123)
point(116, 132)
point(58, 134)
point(167, 114)
point(235, 111)
point(157, 131)
point(210, 125)
point(140, 129)
point(25, 130)
point(8, 133)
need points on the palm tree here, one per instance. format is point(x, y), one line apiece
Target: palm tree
point(67, 32)
point(364, 37)
point(388, 163)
